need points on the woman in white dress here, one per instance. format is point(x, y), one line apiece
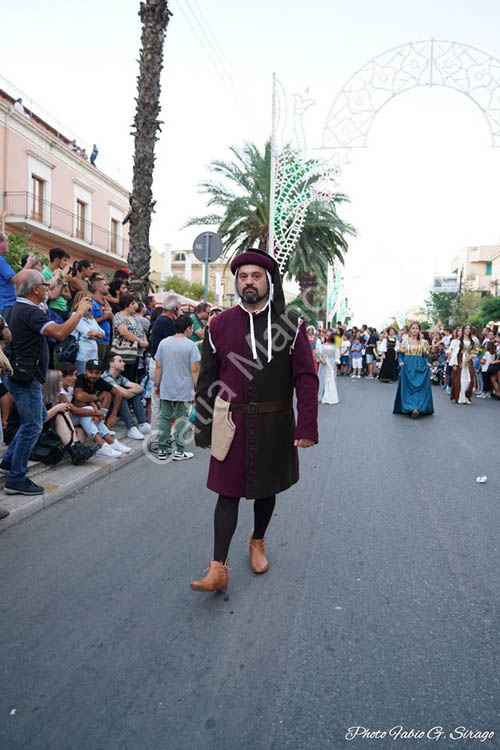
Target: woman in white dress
point(463, 376)
point(318, 359)
point(330, 358)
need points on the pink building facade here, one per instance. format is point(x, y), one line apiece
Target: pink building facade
point(55, 194)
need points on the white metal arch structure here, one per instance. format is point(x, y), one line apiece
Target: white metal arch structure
point(427, 63)
point(297, 182)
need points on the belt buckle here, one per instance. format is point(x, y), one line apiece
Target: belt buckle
point(252, 407)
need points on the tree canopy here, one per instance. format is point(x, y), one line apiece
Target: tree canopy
point(240, 193)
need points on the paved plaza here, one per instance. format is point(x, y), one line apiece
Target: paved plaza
point(380, 607)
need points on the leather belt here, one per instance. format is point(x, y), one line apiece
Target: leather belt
point(262, 407)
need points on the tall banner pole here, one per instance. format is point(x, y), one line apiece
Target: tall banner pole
point(272, 181)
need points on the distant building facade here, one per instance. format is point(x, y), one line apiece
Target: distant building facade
point(53, 192)
point(479, 266)
point(184, 265)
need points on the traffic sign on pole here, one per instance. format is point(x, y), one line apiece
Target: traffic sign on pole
point(207, 247)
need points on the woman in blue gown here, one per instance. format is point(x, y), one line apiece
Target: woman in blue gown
point(414, 396)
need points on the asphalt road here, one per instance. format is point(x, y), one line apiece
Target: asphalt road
point(380, 608)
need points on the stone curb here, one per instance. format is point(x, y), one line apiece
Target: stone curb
point(60, 482)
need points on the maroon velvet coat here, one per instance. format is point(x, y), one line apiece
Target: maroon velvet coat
point(262, 460)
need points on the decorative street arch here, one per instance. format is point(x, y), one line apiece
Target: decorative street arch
point(431, 63)
point(435, 62)
point(298, 181)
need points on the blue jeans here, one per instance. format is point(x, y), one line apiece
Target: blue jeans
point(137, 408)
point(32, 413)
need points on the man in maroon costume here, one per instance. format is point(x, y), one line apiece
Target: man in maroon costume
point(254, 356)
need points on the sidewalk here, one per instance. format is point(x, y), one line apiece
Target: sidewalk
point(62, 480)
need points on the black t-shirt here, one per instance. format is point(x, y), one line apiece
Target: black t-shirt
point(372, 340)
point(93, 388)
point(26, 320)
point(163, 328)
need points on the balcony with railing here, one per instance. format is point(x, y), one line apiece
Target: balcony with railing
point(35, 212)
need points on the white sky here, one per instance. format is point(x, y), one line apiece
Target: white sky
point(426, 186)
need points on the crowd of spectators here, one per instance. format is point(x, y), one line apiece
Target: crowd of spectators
point(366, 352)
point(78, 353)
point(73, 146)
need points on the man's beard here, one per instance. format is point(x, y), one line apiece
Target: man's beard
point(252, 297)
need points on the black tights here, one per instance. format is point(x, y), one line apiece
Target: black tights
point(226, 518)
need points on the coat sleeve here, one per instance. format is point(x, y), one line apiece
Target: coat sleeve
point(306, 386)
point(206, 392)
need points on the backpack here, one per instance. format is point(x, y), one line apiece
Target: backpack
point(49, 448)
point(67, 350)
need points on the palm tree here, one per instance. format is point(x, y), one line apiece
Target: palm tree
point(155, 16)
point(322, 241)
point(243, 197)
point(241, 192)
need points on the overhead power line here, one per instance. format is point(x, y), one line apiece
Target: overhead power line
point(228, 65)
point(216, 58)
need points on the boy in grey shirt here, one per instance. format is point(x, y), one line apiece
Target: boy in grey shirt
point(177, 370)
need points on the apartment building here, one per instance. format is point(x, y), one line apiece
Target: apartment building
point(480, 267)
point(184, 265)
point(53, 192)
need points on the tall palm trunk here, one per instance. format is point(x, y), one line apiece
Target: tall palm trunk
point(312, 293)
point(308, 284)
point(155, 16)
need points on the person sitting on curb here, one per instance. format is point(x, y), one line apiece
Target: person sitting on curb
point(91, 390)
point(131, 394)
point(175, 386)
point(56, 419)
point(88, 419)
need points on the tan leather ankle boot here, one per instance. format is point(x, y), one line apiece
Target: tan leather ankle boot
point(258, 558)
point(216, 579)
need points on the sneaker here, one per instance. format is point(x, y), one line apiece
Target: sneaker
point(5, 467)
point(135, 433)
point(358, 376)
point(106, 451)
point(145, 428)
point(121, 447)
point(182, 456)
point(163, 454)
point(152, 446)
point(4, 513)
point(111, 432)
point(23, 487)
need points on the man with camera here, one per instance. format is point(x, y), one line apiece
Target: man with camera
point(29, 357)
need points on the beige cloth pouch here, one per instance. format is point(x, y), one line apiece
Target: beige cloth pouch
point(223, 429)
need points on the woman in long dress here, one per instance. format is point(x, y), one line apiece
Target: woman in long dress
point(320, 367)
point(463, 375)
point(388, 350)
point(414, 396)
point(330, 358)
